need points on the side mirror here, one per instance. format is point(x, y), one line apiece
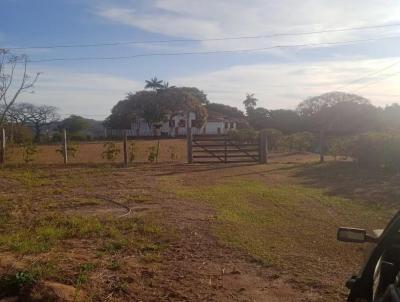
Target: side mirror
point(352, 235)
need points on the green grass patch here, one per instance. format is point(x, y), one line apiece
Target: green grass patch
point(292, 227)
point(42, 234)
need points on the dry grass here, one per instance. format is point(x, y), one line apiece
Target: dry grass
point(54, 226)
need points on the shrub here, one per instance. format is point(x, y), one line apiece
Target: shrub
point(377, 150)
point(337, 147)
point(374, 149)
point(111, 151)
point(244, 135)
point(132, 152)
point(274, 137)
point(29, 150)
point(301, 141)
point(152, 155)
point(72, 149)
point(12, 284)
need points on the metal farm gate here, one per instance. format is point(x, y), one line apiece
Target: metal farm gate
point(223, 149)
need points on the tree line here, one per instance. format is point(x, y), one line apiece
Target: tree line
point(334, 113)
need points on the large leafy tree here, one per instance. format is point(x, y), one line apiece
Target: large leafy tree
point(339, 112)
point(315, 105)
point(285, 120)
point(217, 110)
point(154, 107)
point(74, 124)
point(390, 115)
point(258, 117)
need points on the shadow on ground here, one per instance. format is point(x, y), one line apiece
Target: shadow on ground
point(347, 179)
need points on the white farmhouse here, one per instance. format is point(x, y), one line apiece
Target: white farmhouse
point(177, 125)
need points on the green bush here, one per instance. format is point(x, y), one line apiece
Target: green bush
point(274, 138)
point(245, 135)
point(72, 149)
point(374, 149)
point(111, 151)
point(29, 151)
point(377, 150)
point(301, 141)
point(340, 146)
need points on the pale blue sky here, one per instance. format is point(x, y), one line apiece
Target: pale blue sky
point(280, 78)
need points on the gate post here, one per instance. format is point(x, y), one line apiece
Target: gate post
point(189, 137)
point(263, 148)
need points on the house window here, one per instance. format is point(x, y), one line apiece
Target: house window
point(172, 123)
point(226, 125)
point(182, 123)
point(232, 125)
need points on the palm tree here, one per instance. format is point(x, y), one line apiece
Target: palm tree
point(250, 101)
point(154, 84)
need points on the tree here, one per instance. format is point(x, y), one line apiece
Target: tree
point(41, 117)
point(195, 92)
point(74, 124)
point(314, 105)
point(285, 120)
point(154, 107)
point(154, 84)
point(391, 116)
point(338, 112)
point(258, 117)
point(17, 119)
point(218, 110)
point(129, 110)
point(350, 118)
point(11, 86)
point(250, 102)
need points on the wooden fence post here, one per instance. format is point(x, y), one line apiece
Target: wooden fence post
point(189, 137)
point(263, 148)
point(125, 149)
point(65, 147)
point(3, 147)
point(321, 146)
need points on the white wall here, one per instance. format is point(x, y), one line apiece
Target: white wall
point(210, 127)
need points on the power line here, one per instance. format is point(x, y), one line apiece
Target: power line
point(369, 75)
point(273, 35)
point(374, 82)
point(212, 52)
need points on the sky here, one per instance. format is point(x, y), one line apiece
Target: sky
point(363, 59)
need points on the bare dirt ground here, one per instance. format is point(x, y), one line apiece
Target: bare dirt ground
point(175, 254)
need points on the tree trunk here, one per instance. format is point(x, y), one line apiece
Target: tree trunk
point(37, 133)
